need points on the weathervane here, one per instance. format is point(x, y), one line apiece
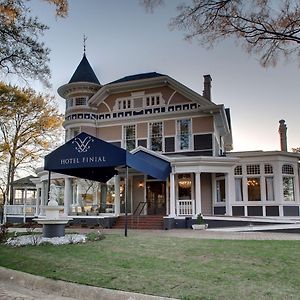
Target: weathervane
point(84, 43)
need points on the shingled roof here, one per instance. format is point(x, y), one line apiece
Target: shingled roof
point(84, 73)
point(138, 77)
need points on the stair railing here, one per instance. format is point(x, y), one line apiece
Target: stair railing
point(141, 205)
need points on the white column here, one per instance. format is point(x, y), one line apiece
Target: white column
point(37, 201)
point(117, 195)
point(229, 191)
point(278, 186)
point(167, 196)
point(67, 195)
point(198, 194)
point(172, 195)
point(78, 189)
point(25, 196)
point(43, 198)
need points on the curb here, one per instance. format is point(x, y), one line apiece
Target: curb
point(68, 289)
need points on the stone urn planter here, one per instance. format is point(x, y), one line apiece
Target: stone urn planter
point(199, 226)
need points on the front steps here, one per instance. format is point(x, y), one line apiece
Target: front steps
point(140, 222)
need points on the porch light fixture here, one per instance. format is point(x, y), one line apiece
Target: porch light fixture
point(141, 184)
point(185, 183)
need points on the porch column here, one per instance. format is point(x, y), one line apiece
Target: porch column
point(229, 191)
point(278, 186)
point(78, 189)
point(43, 198)
point(37, 201)
point(25, 196)
point(198, 193)
point(172, 195)
point(67, 195)
point(117, 195)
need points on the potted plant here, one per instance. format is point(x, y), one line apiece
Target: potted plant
point(199, 223)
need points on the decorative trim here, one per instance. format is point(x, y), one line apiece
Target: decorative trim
point(133, 113)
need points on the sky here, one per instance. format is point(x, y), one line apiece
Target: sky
point(123, 39)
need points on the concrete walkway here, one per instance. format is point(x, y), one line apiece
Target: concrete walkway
point(215, 233)
point(15, 285)
point(229, 233)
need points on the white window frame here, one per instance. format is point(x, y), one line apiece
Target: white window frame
point(155, 97)
point(150, 136)
point(124, 144)
point(178, 134)
point(290, 173)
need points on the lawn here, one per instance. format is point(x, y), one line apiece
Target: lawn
point(173, 267)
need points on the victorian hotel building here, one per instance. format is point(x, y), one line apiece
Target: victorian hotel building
point(155, 115)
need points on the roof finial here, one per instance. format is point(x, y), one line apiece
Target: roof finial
point(84, 44)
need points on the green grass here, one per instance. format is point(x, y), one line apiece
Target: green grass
point(173, 267)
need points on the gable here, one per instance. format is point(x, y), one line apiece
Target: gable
point(170, 89)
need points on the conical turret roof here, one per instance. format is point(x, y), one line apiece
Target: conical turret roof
point(84, 73)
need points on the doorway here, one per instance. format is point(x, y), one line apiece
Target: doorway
point(156, 197)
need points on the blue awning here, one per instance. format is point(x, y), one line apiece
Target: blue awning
point(88, 157)
point(150, 165)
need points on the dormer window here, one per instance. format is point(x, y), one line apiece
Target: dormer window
point(124, 104)
point(80, 101)
point(154, 100)
point(139, 100)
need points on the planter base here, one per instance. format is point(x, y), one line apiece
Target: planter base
point(199, 226)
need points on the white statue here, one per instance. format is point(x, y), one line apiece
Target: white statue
point(53, 195)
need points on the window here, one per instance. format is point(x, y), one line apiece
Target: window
point(238, 189)
point(268, 169)
point(156, 136)
point(92, 198)
point(253, 189)
point(124, 104)
point(288, 188)
point(184, 134)
point(153, 100)
point(238, 170)
point(220, 190)
point(288, 183)
point(253, 169)
point(129, 137)
point(269, 189)
point(80, 101)
point(184, 186)
point(287, 169)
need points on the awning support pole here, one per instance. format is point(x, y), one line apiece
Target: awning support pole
point(126, 199)
point(48, 192)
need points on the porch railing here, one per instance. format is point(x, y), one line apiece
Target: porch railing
point(22, 210)
point(185, 207)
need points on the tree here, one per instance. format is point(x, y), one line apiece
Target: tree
point(269, 29)
point(21, 52)
point(296, 150)
point(30, 125)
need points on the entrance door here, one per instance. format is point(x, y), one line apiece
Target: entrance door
point(156, 198)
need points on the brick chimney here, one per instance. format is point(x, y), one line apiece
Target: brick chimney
point(207, 87)
point(282, 133)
